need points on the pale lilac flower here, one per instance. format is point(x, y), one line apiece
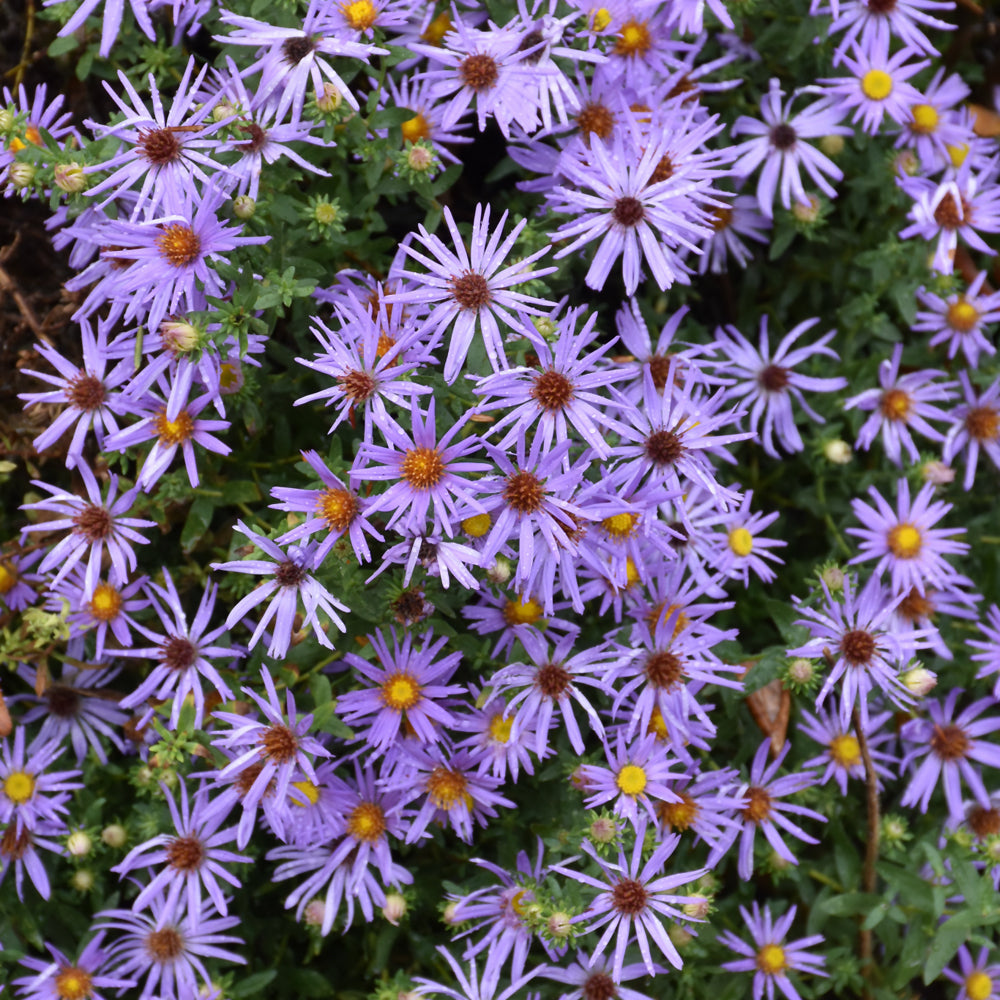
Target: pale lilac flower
point(111, 19)
point(873, 26)
point(841, 756)
point(975, 428)
point(959, 320)
point(978, 979)
point(740, 218)
point(989, 645)
point(30, 794)
point(470, 985)
point(65, 979)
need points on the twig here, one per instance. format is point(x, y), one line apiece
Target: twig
point(29, 32)
point(7, 284)
point(871, 848)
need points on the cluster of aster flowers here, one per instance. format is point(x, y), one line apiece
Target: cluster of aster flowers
point(546, 489)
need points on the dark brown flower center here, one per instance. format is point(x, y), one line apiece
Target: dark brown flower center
point(524, 492)
point(93, 522)
point(663, 448)
point(63, 701)
point(881, 8)
point(949, 742)
point(178, 653)
point(470, 290)
point(758, 805)
point(782, 137)
point(164, 945)
point(629, 897)
point(479, 72)
point(595, 119)
point(257, 140)
point(294, 50)
point(951, 214)
point(628, 212)
point(357, 385)
point(15, 842)
point(659, 370)
point(983, 423)
point(410, 607)
point(185, 854)
point(553, 679)
point(663, 172)
point(599, 986)
point(552, 390)
point(983, 822)
point(663, 669)
point(915, 606)
point(159, 146)
point(530, 40)
point(86, 392)
point(279, 743)
point(289, 574)
point(773, 378)
point(857, 647)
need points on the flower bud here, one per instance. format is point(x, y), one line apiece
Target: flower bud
point(244, 207)
point(314, 913)
point(79, 844)
point(559, 925)
point(808, 210)
point(832, 145)
point(179, 335)
point(82, 880)
point(222, 111)
point(680, 936)
point(920, 681)
point(698, 908)
point(448, 915)
point(70, 177)
point(938, 473)
point(801, 671)
point(838, 452)
point(833, 577)
point(544, 325)
point(894, 829)
point(22, 175)
point(114, 835)
point(394, 909)
point(419, 158)
point(6, 121)
point(330, 99)
point(906, 164)
point(326, 213)
point(500, 571)
point(603, 830)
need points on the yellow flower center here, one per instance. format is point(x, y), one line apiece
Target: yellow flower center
point(73, 984)
point(106, 603)
point(422, 468)
point(600, 19)
point(19, 787)
point(179, 244)
point(771, 959)
point(925, 119)
point(631, 573)
point(876, 84)
point(360, 15)
point(620, 526)
point(741, 542)
point(416, 128)
point(500, 728)
point(309, 790)
point(173, 432)
point(523, 611)
point(978, 985)
point(366, 822)
point(631, 779)
point(957, 154)
point(678, 815)
point(962, 316)
point(657, 724)
point(400, 692)
point(845, 750)
point(477, 525)
point(634, 39)
point(8, 578)
point(445, 787)
point(337, 507)
point(904, 541)
point(229, 376)
point(437, 29)
point(895, 404)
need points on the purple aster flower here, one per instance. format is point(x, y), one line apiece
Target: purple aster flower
point(905, 541)
point(934, 127)
point(979, 979)
point(633, 899)
point(745, 547)
point(63, 979)
point(959, 320)
point(470, 986)
point(740, 218)
point(770, 381)
point(877, 87)
point(778, 145)
point(559, 397)
point(39, 113)
point(19, 850)
point(636, 776)
point(366, 374)
point(962, 205)
point(865, 653)
point(492, 738)
point(193, 858)
point(466, 287)
point(591, 978)
point(511, 615)
point(109, 608)
point(552, 680)
point(454, 792)
point(921, 611)
point(842, 752)
point(29, 793)
point(276, 749)
point(872, 27)
point(88, 389)
point(18, 585)
point(292, 58)
point(410, 693)
point(93, 527)
point(290, 580)
point(949, 744)
point(771, 956)
point(439, 556)
point(616, 198)
point(111, 19)
point(901, 403)
point(183, 654)
point(707, 803)
point(975, 428)
point(336, 509)
point(427, 123)
point(764, 810)
point(989, 645)
point(168, 947)
point(167, 150)
point(426, 469)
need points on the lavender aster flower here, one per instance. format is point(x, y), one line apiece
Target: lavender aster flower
point(978, 979)
point(591, 978)
point(290, 579)
point(842, 754)
point(470, 986)
point(63, 979)
point(771, 956)
point(29, 793)
point(19, 850)
point(764, 811)
point(111, 19)
point(976, 428)
point(959, 320)
point(989, 645)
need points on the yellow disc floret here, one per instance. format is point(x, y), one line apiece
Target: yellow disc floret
point(771, 959)
point(400, 692)
point(631, 779)
point(904, 541)
point(19, 786)
point(876, 84)
point(978, 985)
point(845, 750)
point(741, 542)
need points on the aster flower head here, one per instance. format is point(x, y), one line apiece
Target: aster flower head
point(591, 977)
point(975, 428)
point(18, 583)
point(19, 849)
point(109, 608)
point(901, 403)
point(471, 986)
point(841, 757)
point(291, 580)
point(633, 899)
point(978, 978)
point(989, 647)
point(771, 956)
point(471, 289)
point(111, 20)
point(30, 794)
point(959, 320)
point(905, 541)
point(62, 978)
point(778, 146)
point(951, 746)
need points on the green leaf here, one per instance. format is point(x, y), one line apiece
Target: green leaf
point(387, 117)
point(198, 521)
point(252, 984)
point(321, 691)
point(60, 46)
point(849, 903)
point(950, 936)
point(326, 720)
point(240, 491)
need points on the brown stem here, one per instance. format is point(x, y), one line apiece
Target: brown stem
point(871, 847)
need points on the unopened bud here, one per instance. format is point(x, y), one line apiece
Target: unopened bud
point(448, 915)
point(244, 207)
point(314, 913)
point(70, 177)
point(22, 175)
point(697, 908)
point(545, 326)
point(179, 336)
point(394, 908)
point(837, 451)
point(79, 844)
point(114, 835)
point(680, 936)
point(920, 681)
point(906, 163)
point(894, 829)
point(82, 880)
point(832, 145)
point(222, 111)
point(6, 121)
point(559, 925)
point(419, 158)
point(833, 577)
point(808, 210)
point(777, 862)
point(500, 571)
point(801, 671)
point(329, 99)
point(938, 473)
point(603, 830)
